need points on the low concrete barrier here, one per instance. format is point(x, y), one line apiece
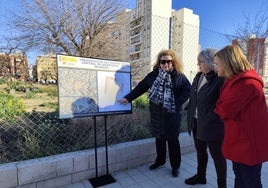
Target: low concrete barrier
point(69, 168)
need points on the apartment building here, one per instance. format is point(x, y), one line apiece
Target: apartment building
point(153, 26)
point(46, 69)
point(149, 30)
point(256, 50)
point(14, 65)
point(185, 39)
point(138, 35)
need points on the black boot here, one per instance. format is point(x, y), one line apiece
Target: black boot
point(175, 172)
point(156, 165)
point(196, 179)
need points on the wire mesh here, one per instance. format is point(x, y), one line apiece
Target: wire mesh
point(37, 131)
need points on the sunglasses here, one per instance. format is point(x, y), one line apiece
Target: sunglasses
point(163, 62)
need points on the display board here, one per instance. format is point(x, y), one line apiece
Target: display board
point(92, 87)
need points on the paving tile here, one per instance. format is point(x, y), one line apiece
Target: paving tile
point(142, 177)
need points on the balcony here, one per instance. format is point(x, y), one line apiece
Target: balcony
point(134, 56)
point(135, 23)
point(135, 40)
point(135, 31)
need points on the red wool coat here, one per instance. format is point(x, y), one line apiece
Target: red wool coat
point(243, 109)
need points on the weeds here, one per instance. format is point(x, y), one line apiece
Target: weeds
point(38, 134)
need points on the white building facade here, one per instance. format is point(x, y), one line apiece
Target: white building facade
point(154, 26)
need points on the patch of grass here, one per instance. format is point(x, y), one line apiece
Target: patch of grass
point(3, 81)
point(51, 105)
point(30, 95)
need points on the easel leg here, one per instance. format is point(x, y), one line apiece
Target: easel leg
point(106, 179)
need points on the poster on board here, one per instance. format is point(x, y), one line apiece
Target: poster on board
point(92, 87)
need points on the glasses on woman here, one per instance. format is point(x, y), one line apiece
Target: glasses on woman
point(163, 62)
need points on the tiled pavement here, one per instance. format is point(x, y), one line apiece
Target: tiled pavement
point(142, 177)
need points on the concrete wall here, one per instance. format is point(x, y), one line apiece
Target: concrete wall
point(69, 168)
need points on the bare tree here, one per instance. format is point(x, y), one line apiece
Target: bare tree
point(251, 37)
point(257, 26)
point(8, 45)
point(72, 27)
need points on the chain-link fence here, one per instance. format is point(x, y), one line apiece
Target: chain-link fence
point(29, 123)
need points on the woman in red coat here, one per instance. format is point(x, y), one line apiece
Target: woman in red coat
point(243, 109)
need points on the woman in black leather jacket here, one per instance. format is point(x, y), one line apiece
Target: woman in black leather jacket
point(169, 89)
point(205, 124)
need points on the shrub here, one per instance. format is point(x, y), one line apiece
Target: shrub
point(141, 103)
point(3, 81)
point(10, 106)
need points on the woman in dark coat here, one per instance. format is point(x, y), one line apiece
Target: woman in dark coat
point(169, 89)
point(205, 124)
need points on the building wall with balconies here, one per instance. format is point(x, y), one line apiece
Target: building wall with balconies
point(154, 26)
point(14, 66)
point(46, 69)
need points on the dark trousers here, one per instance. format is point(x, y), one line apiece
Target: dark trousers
point(216, 154)
point(173, 150)
point(247, 176)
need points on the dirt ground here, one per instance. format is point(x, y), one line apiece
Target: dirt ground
point(38, 101)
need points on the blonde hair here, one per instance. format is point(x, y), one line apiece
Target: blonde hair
point(234, 59)
point(177, 65)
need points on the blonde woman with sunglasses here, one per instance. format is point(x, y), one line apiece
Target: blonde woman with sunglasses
point(168, 90)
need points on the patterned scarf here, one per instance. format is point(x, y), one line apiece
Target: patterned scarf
point(161, 91)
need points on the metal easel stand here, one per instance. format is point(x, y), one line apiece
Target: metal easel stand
point(107, 178)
